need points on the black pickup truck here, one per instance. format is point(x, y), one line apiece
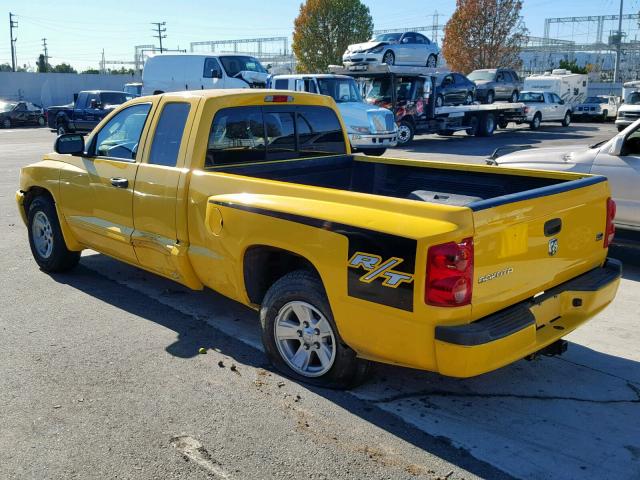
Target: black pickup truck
point(85, 112)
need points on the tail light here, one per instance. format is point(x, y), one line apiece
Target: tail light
point(610, 231)
point(526, 109)
point(278, 98)
point(450, 274)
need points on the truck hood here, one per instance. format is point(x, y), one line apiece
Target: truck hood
point(482, 83)
point(577, 158)
point(254, 77)
point(359, 113)
point(363, 47)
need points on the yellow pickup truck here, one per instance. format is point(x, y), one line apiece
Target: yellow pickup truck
point(458, 269)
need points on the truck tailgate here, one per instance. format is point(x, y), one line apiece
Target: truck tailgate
point(529, 242)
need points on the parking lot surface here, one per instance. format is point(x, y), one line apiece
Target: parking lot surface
point(102, 378)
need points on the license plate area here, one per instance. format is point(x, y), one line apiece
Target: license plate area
point(546, 311)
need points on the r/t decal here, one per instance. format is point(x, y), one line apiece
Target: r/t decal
point(376, 268)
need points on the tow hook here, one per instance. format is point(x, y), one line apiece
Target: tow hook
point(556, 348)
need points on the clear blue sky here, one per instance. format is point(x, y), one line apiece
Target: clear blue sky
point(77, 31)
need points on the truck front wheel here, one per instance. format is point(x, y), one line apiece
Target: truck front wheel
point(405, 132)
point(301, 338)
point(374, 152)
point(45, 238)
point(487, 125)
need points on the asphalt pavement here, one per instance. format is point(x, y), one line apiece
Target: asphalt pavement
point(101, 377)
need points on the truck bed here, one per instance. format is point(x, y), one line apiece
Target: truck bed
point(445, 185)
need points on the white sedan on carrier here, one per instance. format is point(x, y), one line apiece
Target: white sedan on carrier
point(618, 159)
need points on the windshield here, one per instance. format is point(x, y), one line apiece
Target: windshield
point(484, 75)
point(133, 89)
point(342, 90)
point(595, 100)
point(531, 97)
point(113, 98)
point(386, 37)
point(634, 99)
point(234, 65)
point(6, 107)
point(380, 90)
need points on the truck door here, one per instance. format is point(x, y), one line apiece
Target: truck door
point(79, 106)
point(93, 112)
point(158, 206)
point(96, 191)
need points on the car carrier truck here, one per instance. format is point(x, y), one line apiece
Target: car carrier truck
point(409, 92)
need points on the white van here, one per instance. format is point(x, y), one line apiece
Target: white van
point(570, 87)
point(629, 112)
point(371, 129)
point(178, 72)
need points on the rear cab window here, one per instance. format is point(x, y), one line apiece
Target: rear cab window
point(253, 134)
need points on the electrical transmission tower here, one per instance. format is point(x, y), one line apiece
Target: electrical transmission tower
point(161, 30)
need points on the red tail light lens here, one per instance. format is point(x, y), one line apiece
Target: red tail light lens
point(610, 228)
point(450, 274)
point(278, 98)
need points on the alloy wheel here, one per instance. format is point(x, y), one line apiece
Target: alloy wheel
point(42, 234)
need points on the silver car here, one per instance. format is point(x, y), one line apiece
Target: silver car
point(409, 48)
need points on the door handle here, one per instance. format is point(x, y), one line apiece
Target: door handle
point(120, 182)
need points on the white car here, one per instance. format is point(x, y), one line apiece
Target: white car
point(408, 48)
point(618, 159)
point(601, 107)
point(371, 129)
point(544, 107)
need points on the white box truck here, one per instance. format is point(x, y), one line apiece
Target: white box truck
point(177, 72)
point(629, 112)
point(570, 87)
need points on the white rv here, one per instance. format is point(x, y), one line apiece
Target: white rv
point(570, 87)
point(177, 72)
point(629, 112)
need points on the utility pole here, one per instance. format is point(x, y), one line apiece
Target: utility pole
point(46, 52)
point(161, 30)
point(616, 72)
point(12, 25)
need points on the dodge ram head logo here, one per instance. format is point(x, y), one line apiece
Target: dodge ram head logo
point(553, 247)
point(376, 268)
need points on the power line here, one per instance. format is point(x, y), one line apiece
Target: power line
point(161, 30)
point(14, 57)
point(46, 52)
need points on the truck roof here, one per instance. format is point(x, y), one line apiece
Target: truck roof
point(311, 75)
point(102, 91)
point(309, 98)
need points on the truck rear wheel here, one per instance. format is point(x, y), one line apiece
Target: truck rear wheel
point(45, 238)
point(301, 338)
point(62, 128)
point(474, 125)
point(566, 121)
point(535, 123)
point(405, 132)
point(487, 125)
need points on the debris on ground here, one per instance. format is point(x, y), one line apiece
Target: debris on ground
point(221, 364)
point(202, 350)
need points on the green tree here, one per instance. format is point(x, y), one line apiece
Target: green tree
point(324, 29)
point(91, 71)
point(122, 71)
point(484, 34)
point(572, 66)
point(5, 67)
point(42, 65)
point(63, 68)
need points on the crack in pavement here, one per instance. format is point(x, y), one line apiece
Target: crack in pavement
point(444, 393)
point(593, 369)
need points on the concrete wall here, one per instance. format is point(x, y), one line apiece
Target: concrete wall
point(48, 89)
point(604, 88)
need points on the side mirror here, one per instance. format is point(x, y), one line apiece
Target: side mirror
point(69, 144)
point(561, 102)
point(616, 146)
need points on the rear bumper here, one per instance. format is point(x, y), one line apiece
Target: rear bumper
point(525, 328)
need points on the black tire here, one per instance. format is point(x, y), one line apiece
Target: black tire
point(503, 124)
point(389, 58)
point(432, 61)
point(304, 286)
point(535, 123)
point(605, 116)
point(60, 258)
point(514, 96)
point(474, 126)
point(6, 123)
point(487, 125)
point(405, 132)
point(374, 152)
point(566, 121)
point(62, 128)
point(446, 133)
point(491, 96)
point(41, 122)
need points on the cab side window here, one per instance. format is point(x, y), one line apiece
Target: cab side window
point(168, 135)
point(282, 84)
point(237, 136)
point(211, 68)
point(120, 136)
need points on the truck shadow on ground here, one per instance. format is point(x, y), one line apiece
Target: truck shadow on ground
point(561, 417)
point(472, 146)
